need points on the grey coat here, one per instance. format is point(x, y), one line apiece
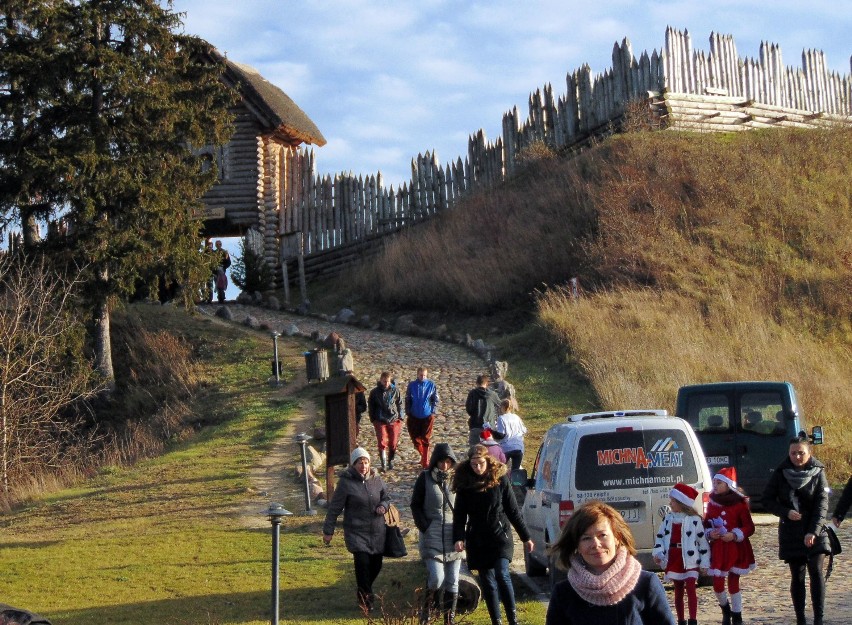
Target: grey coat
point(357, 499)
point(432, 508)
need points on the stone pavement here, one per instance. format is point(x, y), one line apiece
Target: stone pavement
point(454, 369)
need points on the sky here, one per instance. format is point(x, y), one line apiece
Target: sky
point(387, 80)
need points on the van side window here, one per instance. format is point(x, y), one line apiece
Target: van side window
point(548, 464)
point(762, 414)
point(709, 413)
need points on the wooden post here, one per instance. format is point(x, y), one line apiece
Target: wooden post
point(300, 259)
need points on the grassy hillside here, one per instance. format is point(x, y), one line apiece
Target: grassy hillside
point(701, 258)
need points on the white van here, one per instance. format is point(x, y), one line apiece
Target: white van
point(629, 459)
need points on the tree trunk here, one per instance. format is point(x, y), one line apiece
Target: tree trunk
point(103, 344)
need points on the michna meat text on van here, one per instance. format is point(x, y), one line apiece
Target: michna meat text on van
point(637, 456)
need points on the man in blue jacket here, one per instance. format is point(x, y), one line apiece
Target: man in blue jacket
point(421, 403)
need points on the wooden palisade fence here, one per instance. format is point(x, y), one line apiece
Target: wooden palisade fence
point(330, 220)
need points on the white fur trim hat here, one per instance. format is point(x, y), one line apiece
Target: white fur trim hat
point(684, 493)
point(358, 452)
point(727, 475)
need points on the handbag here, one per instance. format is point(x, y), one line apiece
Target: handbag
point(394, 541)
point(834, 545)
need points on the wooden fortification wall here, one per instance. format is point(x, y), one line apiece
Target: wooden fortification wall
point(685, 89)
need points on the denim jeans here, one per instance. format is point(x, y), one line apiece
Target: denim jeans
point(442, 574)
point(496, 587)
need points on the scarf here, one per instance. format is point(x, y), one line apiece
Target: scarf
point(797, 478)
point(728, 499)
point(609, 587)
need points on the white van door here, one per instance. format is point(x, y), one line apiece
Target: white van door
point(541, 504)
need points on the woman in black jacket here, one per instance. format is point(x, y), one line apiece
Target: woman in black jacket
point(797, 493)
point(485, 507)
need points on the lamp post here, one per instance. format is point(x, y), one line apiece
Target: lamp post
point(275, 365)
point(303, 439)
point(275, 512)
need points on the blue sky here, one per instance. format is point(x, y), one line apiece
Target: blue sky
point(386, 80)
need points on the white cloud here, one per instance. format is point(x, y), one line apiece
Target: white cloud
point(385, 80)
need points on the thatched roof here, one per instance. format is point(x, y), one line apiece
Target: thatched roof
point(273, 108)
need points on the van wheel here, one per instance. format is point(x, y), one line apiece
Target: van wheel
point(556, 574)
point(532, 567)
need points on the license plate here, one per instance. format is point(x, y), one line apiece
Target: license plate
point(716, 460)
point(631, 515)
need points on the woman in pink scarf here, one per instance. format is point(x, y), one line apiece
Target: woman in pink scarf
point(606, 584)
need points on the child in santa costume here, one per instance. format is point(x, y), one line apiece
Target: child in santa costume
point(681, 549)
point(729, 526)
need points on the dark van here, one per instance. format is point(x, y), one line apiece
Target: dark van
point(747, 425)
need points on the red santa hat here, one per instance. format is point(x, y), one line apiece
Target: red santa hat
point(727, 475)
point(486, 438)
point(684, 493)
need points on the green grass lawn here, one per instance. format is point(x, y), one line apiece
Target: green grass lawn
point(169, 540)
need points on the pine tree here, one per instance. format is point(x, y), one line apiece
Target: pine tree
point(101, 104)
point(250, 271)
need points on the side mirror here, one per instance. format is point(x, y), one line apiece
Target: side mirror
point(816, 435)
point(518, 477)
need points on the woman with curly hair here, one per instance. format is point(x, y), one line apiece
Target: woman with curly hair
point(484, 509)
point(606, 584)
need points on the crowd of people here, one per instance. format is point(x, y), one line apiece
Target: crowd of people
point(465, 509)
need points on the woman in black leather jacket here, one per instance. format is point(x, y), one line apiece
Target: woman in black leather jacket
point(797, 493)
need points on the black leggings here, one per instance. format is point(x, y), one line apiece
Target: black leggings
point(813, 565)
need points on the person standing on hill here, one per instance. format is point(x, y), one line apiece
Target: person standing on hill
point(797, 493)
point(484, 515)
point(843, 505)
point(482, 407)
point(421, 403)
point(224, 261)
point(361, 496)
point(386, 412)
point(728, 526)
point(509, 432)
point(432, 505)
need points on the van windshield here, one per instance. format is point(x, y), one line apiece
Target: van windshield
point(634, 458)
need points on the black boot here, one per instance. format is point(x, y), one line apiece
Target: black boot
point(383, 457)
point(736, 618)
point(692, 621)
point(391, 456)
point(681, 622)
point(450, 601)
point(726, 614)
point(511, 617)
point(426, 608)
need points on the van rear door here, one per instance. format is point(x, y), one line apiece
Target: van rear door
point(743, 425)
point(631, 468)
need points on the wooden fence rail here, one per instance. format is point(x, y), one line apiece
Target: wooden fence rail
point(688, 89)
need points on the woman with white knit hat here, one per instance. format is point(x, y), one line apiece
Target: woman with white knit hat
point(361, 496)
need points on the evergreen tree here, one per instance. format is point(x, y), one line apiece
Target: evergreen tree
point(250, 271)
point(101, 105)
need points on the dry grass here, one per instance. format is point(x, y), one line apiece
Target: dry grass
point(638, 347)
point(702, 257)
